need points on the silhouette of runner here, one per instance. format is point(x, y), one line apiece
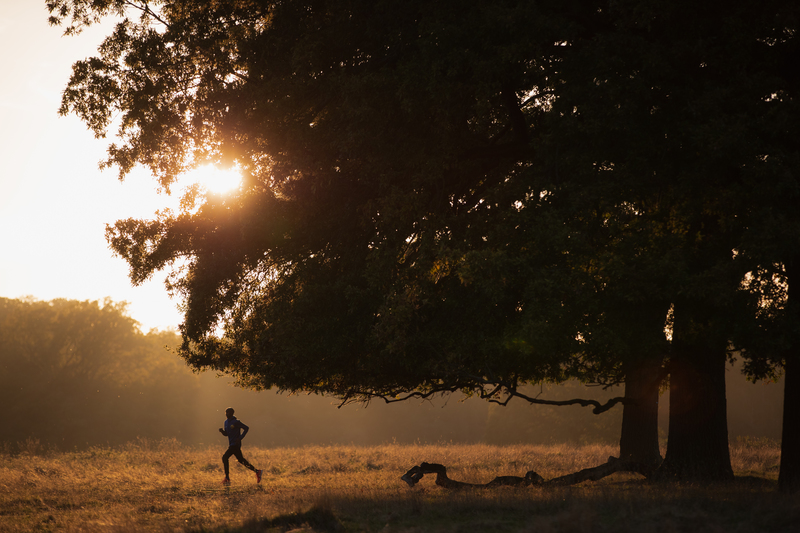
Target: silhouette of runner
point(235, 430)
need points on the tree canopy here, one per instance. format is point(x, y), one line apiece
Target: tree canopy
point(456, 195)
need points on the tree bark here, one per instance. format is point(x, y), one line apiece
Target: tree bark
point(789, 477)
point(639, 437)
point(697, 449)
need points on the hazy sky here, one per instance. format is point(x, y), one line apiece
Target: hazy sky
point(54, 201)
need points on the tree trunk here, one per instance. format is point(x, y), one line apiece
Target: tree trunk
point(697, 449)
point(789, 477)
point(639, 437)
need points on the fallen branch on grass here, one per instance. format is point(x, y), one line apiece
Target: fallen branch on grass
point(613, 465)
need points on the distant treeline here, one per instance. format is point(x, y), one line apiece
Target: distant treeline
point(81, 373)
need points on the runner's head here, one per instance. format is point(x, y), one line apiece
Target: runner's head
point(229, 412)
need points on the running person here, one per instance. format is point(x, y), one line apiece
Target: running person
point(232, 428)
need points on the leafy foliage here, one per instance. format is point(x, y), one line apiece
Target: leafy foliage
point(444, 196)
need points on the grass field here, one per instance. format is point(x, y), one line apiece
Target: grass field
point(146, 486)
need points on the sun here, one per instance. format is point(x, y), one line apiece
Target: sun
point(213, 179)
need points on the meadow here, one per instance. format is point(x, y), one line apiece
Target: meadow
point(164, 486)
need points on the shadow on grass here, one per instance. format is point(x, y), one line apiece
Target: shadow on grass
point(659, 506)
point(318, 519)
point(756, 482)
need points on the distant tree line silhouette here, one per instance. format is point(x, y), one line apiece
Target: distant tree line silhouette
point(81, 373)
point(78, 372)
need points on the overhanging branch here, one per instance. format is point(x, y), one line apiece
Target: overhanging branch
point(492, 396)
point(598, 407)
point(394, 398)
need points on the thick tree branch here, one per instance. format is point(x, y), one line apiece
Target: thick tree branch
point(490, 396)
point(598, 407)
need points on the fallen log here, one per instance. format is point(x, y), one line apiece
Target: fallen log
point(415, 474)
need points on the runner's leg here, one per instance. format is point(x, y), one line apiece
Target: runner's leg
point(230, 451)
point(239, 457)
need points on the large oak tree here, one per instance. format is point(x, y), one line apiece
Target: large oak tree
point(460, 195)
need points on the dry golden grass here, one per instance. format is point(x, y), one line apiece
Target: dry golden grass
point(163, 486)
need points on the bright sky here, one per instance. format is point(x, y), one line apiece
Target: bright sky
point(54, 201)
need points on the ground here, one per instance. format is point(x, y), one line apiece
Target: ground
point(164, 486)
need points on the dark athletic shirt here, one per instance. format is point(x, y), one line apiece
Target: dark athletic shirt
point(233, 428)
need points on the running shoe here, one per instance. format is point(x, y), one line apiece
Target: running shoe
point(258, 476)
point(226, 482)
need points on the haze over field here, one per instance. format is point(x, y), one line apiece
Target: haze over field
point(122, 385)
